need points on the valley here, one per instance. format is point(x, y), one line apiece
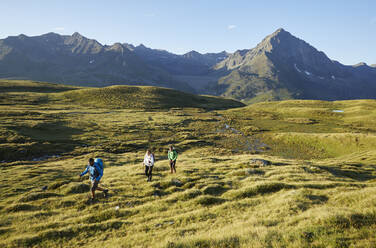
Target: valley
point(316, 189)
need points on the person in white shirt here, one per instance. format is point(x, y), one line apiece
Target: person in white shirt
point(149, 163)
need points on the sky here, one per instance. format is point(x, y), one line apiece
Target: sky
point(345, 30)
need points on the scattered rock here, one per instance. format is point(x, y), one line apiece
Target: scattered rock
point(45, 157)
point(117, 208)
point(260, 162)
point(44, 188)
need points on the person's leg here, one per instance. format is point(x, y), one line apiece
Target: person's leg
point(94, 186)
point(105, 191)
point(174, 165)
point(150, 172)
point(171, 166)
point(147, 172)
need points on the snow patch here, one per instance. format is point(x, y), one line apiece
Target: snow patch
point(333, 77)
point(321, 77)
point(307, 72)
point(91, 61)
point(337, 111)
point(297, 68)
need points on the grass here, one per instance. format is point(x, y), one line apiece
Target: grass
point(318, 191)
point(146, 97)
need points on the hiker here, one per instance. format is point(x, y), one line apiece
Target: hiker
point(172, 156)
point(95, 169)
point(149, 163)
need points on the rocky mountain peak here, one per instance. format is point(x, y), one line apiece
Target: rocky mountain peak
point(360, 64)
point(142, 46)
point(117, 47)
point(77, 35)
point(192, 54)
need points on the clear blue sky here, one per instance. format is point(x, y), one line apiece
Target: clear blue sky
point(344, 29)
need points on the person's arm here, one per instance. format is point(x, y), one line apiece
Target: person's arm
point(85, 171)
point(152, 160)
point(145, 160)
point(169, 155)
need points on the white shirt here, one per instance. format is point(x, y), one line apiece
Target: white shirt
point(149, 160)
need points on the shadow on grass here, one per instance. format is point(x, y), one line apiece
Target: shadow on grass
point(42, 140)
point(346, 173)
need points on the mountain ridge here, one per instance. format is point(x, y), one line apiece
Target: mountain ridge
point(281, 66)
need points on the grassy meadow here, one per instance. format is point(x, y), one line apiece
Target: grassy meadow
point(319, 189)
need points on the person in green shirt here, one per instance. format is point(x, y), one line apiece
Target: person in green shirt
point(172, 156)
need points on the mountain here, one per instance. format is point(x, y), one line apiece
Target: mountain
point(80, 61)
point(191, 63)
point(283, 66)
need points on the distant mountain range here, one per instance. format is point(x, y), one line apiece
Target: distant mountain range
point(280, 67)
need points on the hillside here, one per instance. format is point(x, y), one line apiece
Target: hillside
point(315, 188)
point(32, 86)
point(145, 97)
point(303, 129)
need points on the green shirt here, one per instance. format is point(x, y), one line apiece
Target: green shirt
point(172, 155)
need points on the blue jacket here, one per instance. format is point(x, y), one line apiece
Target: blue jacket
point(91, 170)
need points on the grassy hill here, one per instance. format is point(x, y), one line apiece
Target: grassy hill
point(318, 189)
point(310, 129)
point(146, 97)
point(32, 86)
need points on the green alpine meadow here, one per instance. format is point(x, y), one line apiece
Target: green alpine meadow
point(187, 124)
point(292, 173)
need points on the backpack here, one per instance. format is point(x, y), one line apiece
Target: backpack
point(99, 162)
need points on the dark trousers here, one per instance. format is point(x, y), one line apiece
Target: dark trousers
point(172, 165)
point(148, 172)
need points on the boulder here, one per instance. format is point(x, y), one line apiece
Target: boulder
point(260, 162)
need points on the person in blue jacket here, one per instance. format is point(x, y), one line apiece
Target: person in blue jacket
point(95, 174)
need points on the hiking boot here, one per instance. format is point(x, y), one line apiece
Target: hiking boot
point(105, 192)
